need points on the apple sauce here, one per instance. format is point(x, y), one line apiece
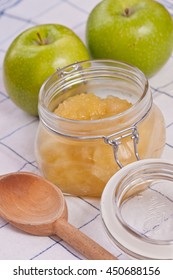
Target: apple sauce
point(82, 132)
point(91, 107)
point(84, 167)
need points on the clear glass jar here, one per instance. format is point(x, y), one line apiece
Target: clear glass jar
point(81, 156)
point(137, 209)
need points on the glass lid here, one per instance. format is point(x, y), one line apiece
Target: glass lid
point(137, 209)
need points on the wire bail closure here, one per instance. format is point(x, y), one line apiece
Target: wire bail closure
point(72, 69)
point(116, 142)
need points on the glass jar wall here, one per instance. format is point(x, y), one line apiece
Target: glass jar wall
point(80, 156)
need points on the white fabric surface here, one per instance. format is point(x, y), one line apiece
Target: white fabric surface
point(17, 129)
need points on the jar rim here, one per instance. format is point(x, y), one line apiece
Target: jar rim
point(132, 243)
point(62, 75)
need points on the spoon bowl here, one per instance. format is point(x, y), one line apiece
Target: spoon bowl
point(34, 205)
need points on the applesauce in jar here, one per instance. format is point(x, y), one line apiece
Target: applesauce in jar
point(95, 117)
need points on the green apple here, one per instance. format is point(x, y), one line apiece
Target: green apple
point(33, 56)
point(139, 32)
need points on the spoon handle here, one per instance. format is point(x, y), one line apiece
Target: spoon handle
point(81, 242)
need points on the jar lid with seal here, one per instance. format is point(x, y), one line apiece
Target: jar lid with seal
point(137, 209)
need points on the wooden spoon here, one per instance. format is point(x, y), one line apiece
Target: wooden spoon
point(34, 205)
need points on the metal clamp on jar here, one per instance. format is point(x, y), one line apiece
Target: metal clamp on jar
point(115, 140)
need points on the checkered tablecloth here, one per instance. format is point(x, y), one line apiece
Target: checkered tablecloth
point(17, 129)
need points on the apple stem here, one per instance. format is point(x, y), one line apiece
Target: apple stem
point(127, 12)
point(40, 40)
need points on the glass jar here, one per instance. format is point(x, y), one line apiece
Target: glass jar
point(137, 209)
point(81, 156)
